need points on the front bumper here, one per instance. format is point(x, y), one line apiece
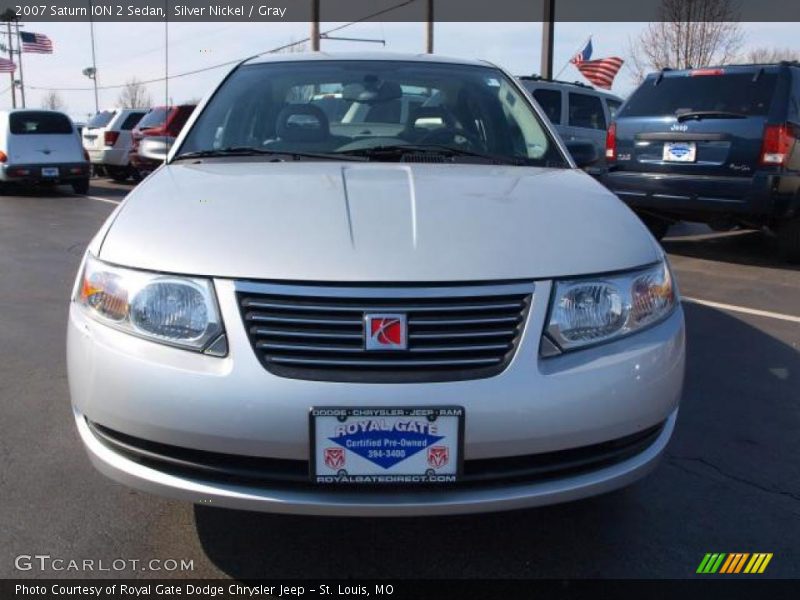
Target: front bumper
point(234, 406)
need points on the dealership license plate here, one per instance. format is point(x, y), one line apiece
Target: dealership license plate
point(680, 152)
point(50, 172)
point(404, 445)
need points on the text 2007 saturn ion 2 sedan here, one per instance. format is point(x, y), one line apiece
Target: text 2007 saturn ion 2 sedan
point(373, 285)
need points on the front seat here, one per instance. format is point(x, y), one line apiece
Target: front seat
point(302, 126)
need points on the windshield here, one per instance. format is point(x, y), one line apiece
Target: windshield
point(155, 118)
point(101, 119)
point(351, 107)
point(740, 93)
point(34, 122)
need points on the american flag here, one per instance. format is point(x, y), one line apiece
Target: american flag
point(601, 72)
point(35, 42)
point(584, 54)
point(7, 66)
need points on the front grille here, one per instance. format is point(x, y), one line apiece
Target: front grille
point(293, 474)
point(317, 332)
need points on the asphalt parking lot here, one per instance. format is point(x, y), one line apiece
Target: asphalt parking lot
point(730, 482)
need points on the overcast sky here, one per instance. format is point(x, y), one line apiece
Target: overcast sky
point(126, 50)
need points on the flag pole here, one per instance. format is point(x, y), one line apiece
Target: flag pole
point(567, 63)
point(21, 76)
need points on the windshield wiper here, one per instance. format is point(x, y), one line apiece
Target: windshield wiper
point(441, 149)
point(709, 114)
point(252, 151)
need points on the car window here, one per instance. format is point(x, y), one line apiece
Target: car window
point(131, 120)
point(155, 118)
point(613, 107)
point(550, 101)
point(344, 106)
point(733, 92)
point(586, 111)
point(35, 122)
point(101, 119)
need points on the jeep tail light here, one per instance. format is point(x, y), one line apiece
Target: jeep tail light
point(85, 155)
point(611, 142)
point(110, 137)
point(706, 72)
point(3, 157)
point(776, 145)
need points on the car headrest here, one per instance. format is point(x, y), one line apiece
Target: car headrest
point(302, 123)
point(429, 112)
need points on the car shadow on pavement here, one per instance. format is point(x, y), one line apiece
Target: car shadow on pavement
point(727, 483)
point(753, 248)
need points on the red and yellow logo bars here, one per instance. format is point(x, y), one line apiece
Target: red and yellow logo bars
point(736, 562)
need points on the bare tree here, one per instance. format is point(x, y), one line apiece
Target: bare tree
point(689, 33)
point(770, 55)
point(134, 95)
point(52, 100)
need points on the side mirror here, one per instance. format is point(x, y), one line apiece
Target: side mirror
point(583, 153)
point(155, 147)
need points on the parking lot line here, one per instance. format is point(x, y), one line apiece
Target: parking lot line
point(743, 310)
point(100, 199)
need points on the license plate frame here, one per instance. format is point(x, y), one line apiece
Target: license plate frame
point(50, 172)
point(687, 152)
point(364, 471)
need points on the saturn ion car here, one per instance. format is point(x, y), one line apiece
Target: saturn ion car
point(374, 285)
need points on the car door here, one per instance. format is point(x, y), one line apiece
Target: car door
point(586, 120)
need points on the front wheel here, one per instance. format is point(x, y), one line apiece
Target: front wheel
point(119, 174)
point(657, 226)
point(789, 240)
point(81, 186)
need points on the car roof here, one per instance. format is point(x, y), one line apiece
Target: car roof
point(365, 56)
point(9, 111)
point(577, 86)
point(740, 68)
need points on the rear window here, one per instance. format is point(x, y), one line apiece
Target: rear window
point(550, 101)
point(733, 92)
point(155, 118)
point(101, 119)
point(131, 120)
point(24, 123)
point(586, 111)
point(613, 107)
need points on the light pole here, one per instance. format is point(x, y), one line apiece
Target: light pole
point(548, 30)
point(91, 72)
point(315, 25)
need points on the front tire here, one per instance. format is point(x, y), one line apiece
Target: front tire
point(789, 240)
point(81, 186)
point(119, 174)
point(657, 226)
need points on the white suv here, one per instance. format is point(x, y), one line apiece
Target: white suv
point(107, 139)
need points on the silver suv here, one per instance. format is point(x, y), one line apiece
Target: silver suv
point(577, 111)
point(423, 313)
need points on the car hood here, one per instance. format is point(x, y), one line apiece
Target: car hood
point(334, 221)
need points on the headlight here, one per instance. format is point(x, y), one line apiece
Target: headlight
point(179, 311)
point(593, 310)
